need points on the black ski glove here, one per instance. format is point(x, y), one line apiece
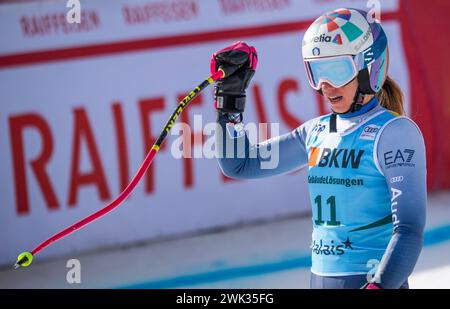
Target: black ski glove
point(238, 63)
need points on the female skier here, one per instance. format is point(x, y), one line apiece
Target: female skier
point(367, 170)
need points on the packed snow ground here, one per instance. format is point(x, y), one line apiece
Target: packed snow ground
point(260, 255)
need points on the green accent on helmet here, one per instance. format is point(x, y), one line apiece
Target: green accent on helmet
point(352, 32)
point(381, 75)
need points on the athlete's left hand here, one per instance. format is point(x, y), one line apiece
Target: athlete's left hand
point(238, 62)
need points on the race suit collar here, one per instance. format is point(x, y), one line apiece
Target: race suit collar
point(364, 109)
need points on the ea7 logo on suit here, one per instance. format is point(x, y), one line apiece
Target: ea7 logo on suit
point(337, 158)
point(399, 157)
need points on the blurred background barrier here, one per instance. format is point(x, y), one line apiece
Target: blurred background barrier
point(82, 103)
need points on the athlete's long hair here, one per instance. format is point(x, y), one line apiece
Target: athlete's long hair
point(391, 96)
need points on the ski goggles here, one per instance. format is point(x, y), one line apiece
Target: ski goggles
point(337, 71)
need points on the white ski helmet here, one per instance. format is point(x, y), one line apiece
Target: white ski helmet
point(344, 44)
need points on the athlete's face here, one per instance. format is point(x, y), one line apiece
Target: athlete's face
point(341, 98)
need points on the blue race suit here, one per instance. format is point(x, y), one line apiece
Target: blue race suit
point(367, 185)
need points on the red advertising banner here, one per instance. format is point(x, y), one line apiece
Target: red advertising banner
point(429, 64)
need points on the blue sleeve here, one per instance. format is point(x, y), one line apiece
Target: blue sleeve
point(238, 158)
point(401, 157)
